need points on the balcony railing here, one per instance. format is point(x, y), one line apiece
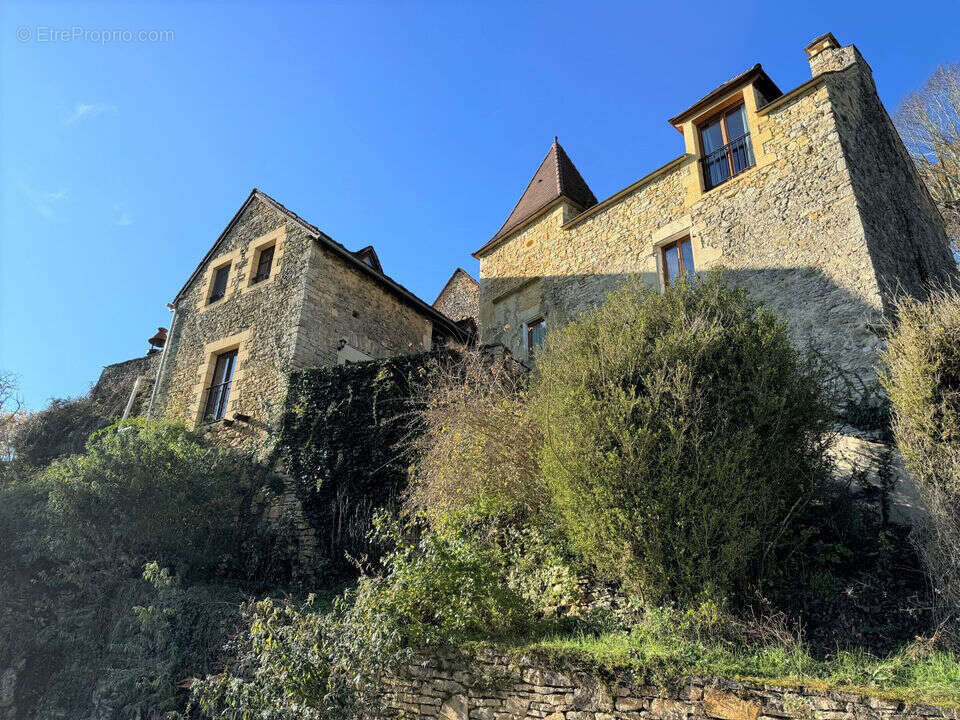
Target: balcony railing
point(728, 161)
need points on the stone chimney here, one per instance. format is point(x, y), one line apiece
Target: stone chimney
point(826, 55)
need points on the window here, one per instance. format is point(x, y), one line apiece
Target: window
point(219, 284)
point(677, 261)
point(727, 151)
point(264, 262)
point(218, 394)
point(536, 332)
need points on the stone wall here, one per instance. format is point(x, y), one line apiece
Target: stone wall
point(342, 304)
point(491, 687)
point(117, 381)
point(810, 230)
point(460, 297)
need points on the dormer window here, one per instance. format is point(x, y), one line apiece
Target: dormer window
point(264, 264)
point(219, 289)
point(727, 150)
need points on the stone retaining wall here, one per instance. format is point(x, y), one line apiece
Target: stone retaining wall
point(490, 687)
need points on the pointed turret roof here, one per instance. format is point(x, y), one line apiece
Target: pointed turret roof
point(555, 178)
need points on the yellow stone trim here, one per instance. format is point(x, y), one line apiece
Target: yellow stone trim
point(233, 259)
point(238, 342)
point(695, 188)
point(275, 238)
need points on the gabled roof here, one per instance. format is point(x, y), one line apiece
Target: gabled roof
point(369, 256)
point(456, 273)
point(555, 178)
point(755, 75)
point(354, 259)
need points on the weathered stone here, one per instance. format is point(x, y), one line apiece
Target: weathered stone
point(723, 705)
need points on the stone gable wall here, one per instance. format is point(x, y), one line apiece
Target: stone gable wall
point(460, 299)
point(267, 316)
point(342, 303)
point(491, 687)
point(791, 229)
point(905, 233)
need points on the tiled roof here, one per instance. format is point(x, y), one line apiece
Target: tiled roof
point(356, 259)
point(556, 177)
point(756, 75)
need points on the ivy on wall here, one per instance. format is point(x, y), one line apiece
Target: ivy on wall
point(345, 444)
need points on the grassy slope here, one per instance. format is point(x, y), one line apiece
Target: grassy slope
point(933, 678)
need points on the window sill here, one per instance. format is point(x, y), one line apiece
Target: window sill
point(215, 303)
point(248, 286)
point(728, 183)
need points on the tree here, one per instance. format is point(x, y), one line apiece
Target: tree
point(929, 122)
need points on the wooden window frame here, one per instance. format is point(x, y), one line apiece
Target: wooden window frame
point(225, 268)
point(258, 261)
point(212, 415)
point(727, 108)
point(682, 271)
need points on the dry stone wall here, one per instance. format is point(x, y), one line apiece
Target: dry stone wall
point(492, 687)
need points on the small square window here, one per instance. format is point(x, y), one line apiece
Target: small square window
point(219, 289)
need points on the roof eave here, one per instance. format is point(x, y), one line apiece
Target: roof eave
point(756, 74)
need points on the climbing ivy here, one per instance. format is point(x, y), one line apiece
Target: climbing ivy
point(345, 443)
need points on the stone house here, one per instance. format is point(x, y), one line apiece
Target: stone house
point(807, 197)
point(272, 295)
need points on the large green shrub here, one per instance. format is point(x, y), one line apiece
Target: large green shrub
point(122, 570)
point(681, 433)
point(922, 377)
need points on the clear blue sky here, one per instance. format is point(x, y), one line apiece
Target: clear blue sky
point(410, 126)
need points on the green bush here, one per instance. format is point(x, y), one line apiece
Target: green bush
point(62, 428)
point(122, 570)
point(922, 377)
point(681, 433)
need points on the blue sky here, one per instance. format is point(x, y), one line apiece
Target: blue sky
point(410, 126)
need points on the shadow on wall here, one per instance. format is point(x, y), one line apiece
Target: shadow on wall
point(832, 320)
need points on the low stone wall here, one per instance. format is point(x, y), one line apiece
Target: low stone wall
point(491, 687)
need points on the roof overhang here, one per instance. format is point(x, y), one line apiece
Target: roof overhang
point(754, 76)
point(330, 244)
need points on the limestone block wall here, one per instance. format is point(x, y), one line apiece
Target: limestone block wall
point(819, 229)
point(491, 687)
point(341, 303)
point(260, 320)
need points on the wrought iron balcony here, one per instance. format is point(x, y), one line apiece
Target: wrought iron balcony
point(727, 162)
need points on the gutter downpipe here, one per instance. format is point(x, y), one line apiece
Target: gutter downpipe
point(163, 360)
